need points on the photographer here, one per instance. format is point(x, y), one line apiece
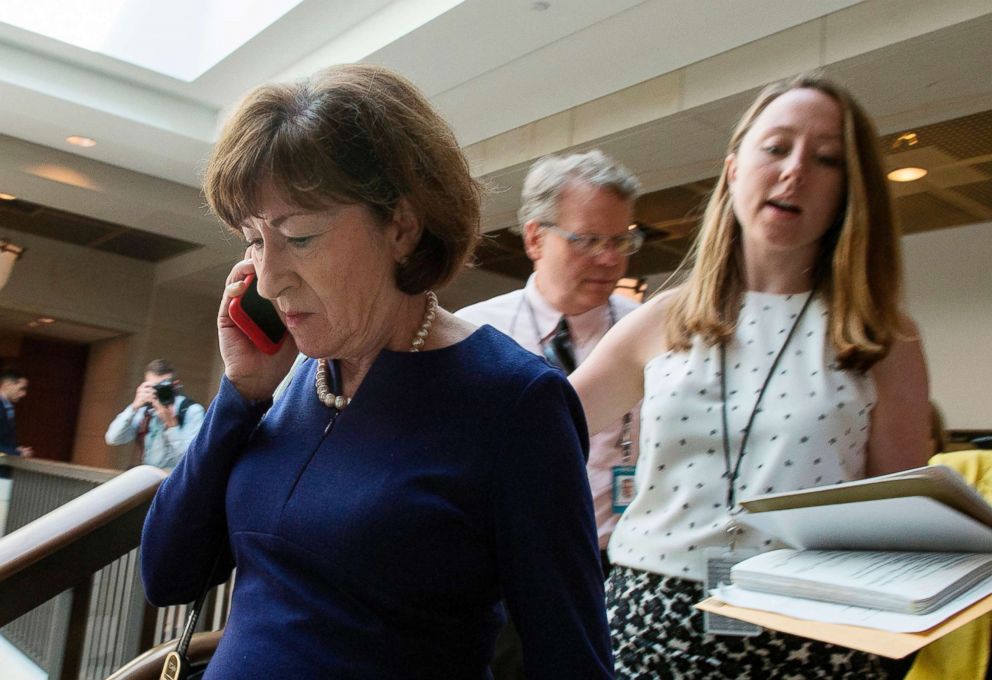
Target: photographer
point(161, 420)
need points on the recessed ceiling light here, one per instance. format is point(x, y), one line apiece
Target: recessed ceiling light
point(45, 320)
point(907, 174)
point(79, 140)
point(8, 197)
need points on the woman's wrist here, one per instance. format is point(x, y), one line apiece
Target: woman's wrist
point(252, 398)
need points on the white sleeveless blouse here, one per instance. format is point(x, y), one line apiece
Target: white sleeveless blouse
point(811, 430)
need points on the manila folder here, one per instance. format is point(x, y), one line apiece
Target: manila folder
point(884, 643)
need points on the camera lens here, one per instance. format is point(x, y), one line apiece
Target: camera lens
point(165, 392)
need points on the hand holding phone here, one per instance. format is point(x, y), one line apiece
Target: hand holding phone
point(257, 318)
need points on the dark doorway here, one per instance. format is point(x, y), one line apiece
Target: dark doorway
point(47, 416)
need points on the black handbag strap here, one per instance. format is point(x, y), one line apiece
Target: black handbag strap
point(176, 666)
point(183, 645)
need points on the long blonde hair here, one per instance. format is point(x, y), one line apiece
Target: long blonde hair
point(858, 270)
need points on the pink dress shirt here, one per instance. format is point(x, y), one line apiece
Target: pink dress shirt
point(512, 314)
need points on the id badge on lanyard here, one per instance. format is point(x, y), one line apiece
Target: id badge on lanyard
point(718, 564)
point(720, 560)
point(623, 487)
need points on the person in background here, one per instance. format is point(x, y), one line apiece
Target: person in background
point(417, 468)
point(13, 388)
point(782, 361)
point(161, 421)
point(577, 222)
point(938, 433)
point(576, 218)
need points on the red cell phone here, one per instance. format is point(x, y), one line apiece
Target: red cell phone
point(257, 318)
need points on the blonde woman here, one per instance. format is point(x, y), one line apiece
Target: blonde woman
point(783, 361)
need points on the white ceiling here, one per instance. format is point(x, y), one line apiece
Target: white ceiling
point(145, 32)
point(489, 65)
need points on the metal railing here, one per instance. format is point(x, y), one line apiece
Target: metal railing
point(40, 487)
point(70, 590)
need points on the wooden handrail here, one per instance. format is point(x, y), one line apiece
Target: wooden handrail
point(58, 550)
point(57, 467)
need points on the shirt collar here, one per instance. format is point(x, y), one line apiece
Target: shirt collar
point(590, 324)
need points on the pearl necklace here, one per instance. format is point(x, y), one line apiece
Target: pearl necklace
point(331, 400)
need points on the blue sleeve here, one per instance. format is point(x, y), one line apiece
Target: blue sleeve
point(546, 542)
point(186, 528)
point(123, 428)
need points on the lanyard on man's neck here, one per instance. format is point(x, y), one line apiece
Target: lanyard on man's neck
point(624, 441)
point(524, 302)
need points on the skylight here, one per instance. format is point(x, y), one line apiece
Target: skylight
point(179, 38)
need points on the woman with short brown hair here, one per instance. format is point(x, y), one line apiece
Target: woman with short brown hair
point(417, 469)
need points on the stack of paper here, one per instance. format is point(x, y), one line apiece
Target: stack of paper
point(907, 582)
point(884, 565)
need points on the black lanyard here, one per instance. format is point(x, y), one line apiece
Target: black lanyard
point(533, 318)
point(732, 475)
point(625, 443)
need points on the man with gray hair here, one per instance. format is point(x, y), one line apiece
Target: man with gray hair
point(576, 218)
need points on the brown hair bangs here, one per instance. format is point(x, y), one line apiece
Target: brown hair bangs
point(352, 134)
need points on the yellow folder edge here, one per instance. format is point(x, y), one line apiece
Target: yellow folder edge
point(883, 643)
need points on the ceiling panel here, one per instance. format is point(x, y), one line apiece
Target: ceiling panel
point(17, 323)
point(957, 152)
point(60, 225)
point(144, 246)
point(925, 211)
point(980, 192)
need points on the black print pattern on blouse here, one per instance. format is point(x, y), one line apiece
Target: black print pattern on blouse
point(801, 437)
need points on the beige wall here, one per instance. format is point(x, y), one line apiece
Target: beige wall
point(949, 293)
point(104, 394)
point(77, 284)
point(116, 295)
point(183, 329)
point(475, 285)
point(180, 327)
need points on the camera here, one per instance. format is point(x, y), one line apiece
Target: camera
point(165, 392)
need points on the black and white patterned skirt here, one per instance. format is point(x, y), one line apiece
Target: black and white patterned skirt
point(657, 634)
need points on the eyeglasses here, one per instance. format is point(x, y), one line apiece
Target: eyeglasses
point(594, 244)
